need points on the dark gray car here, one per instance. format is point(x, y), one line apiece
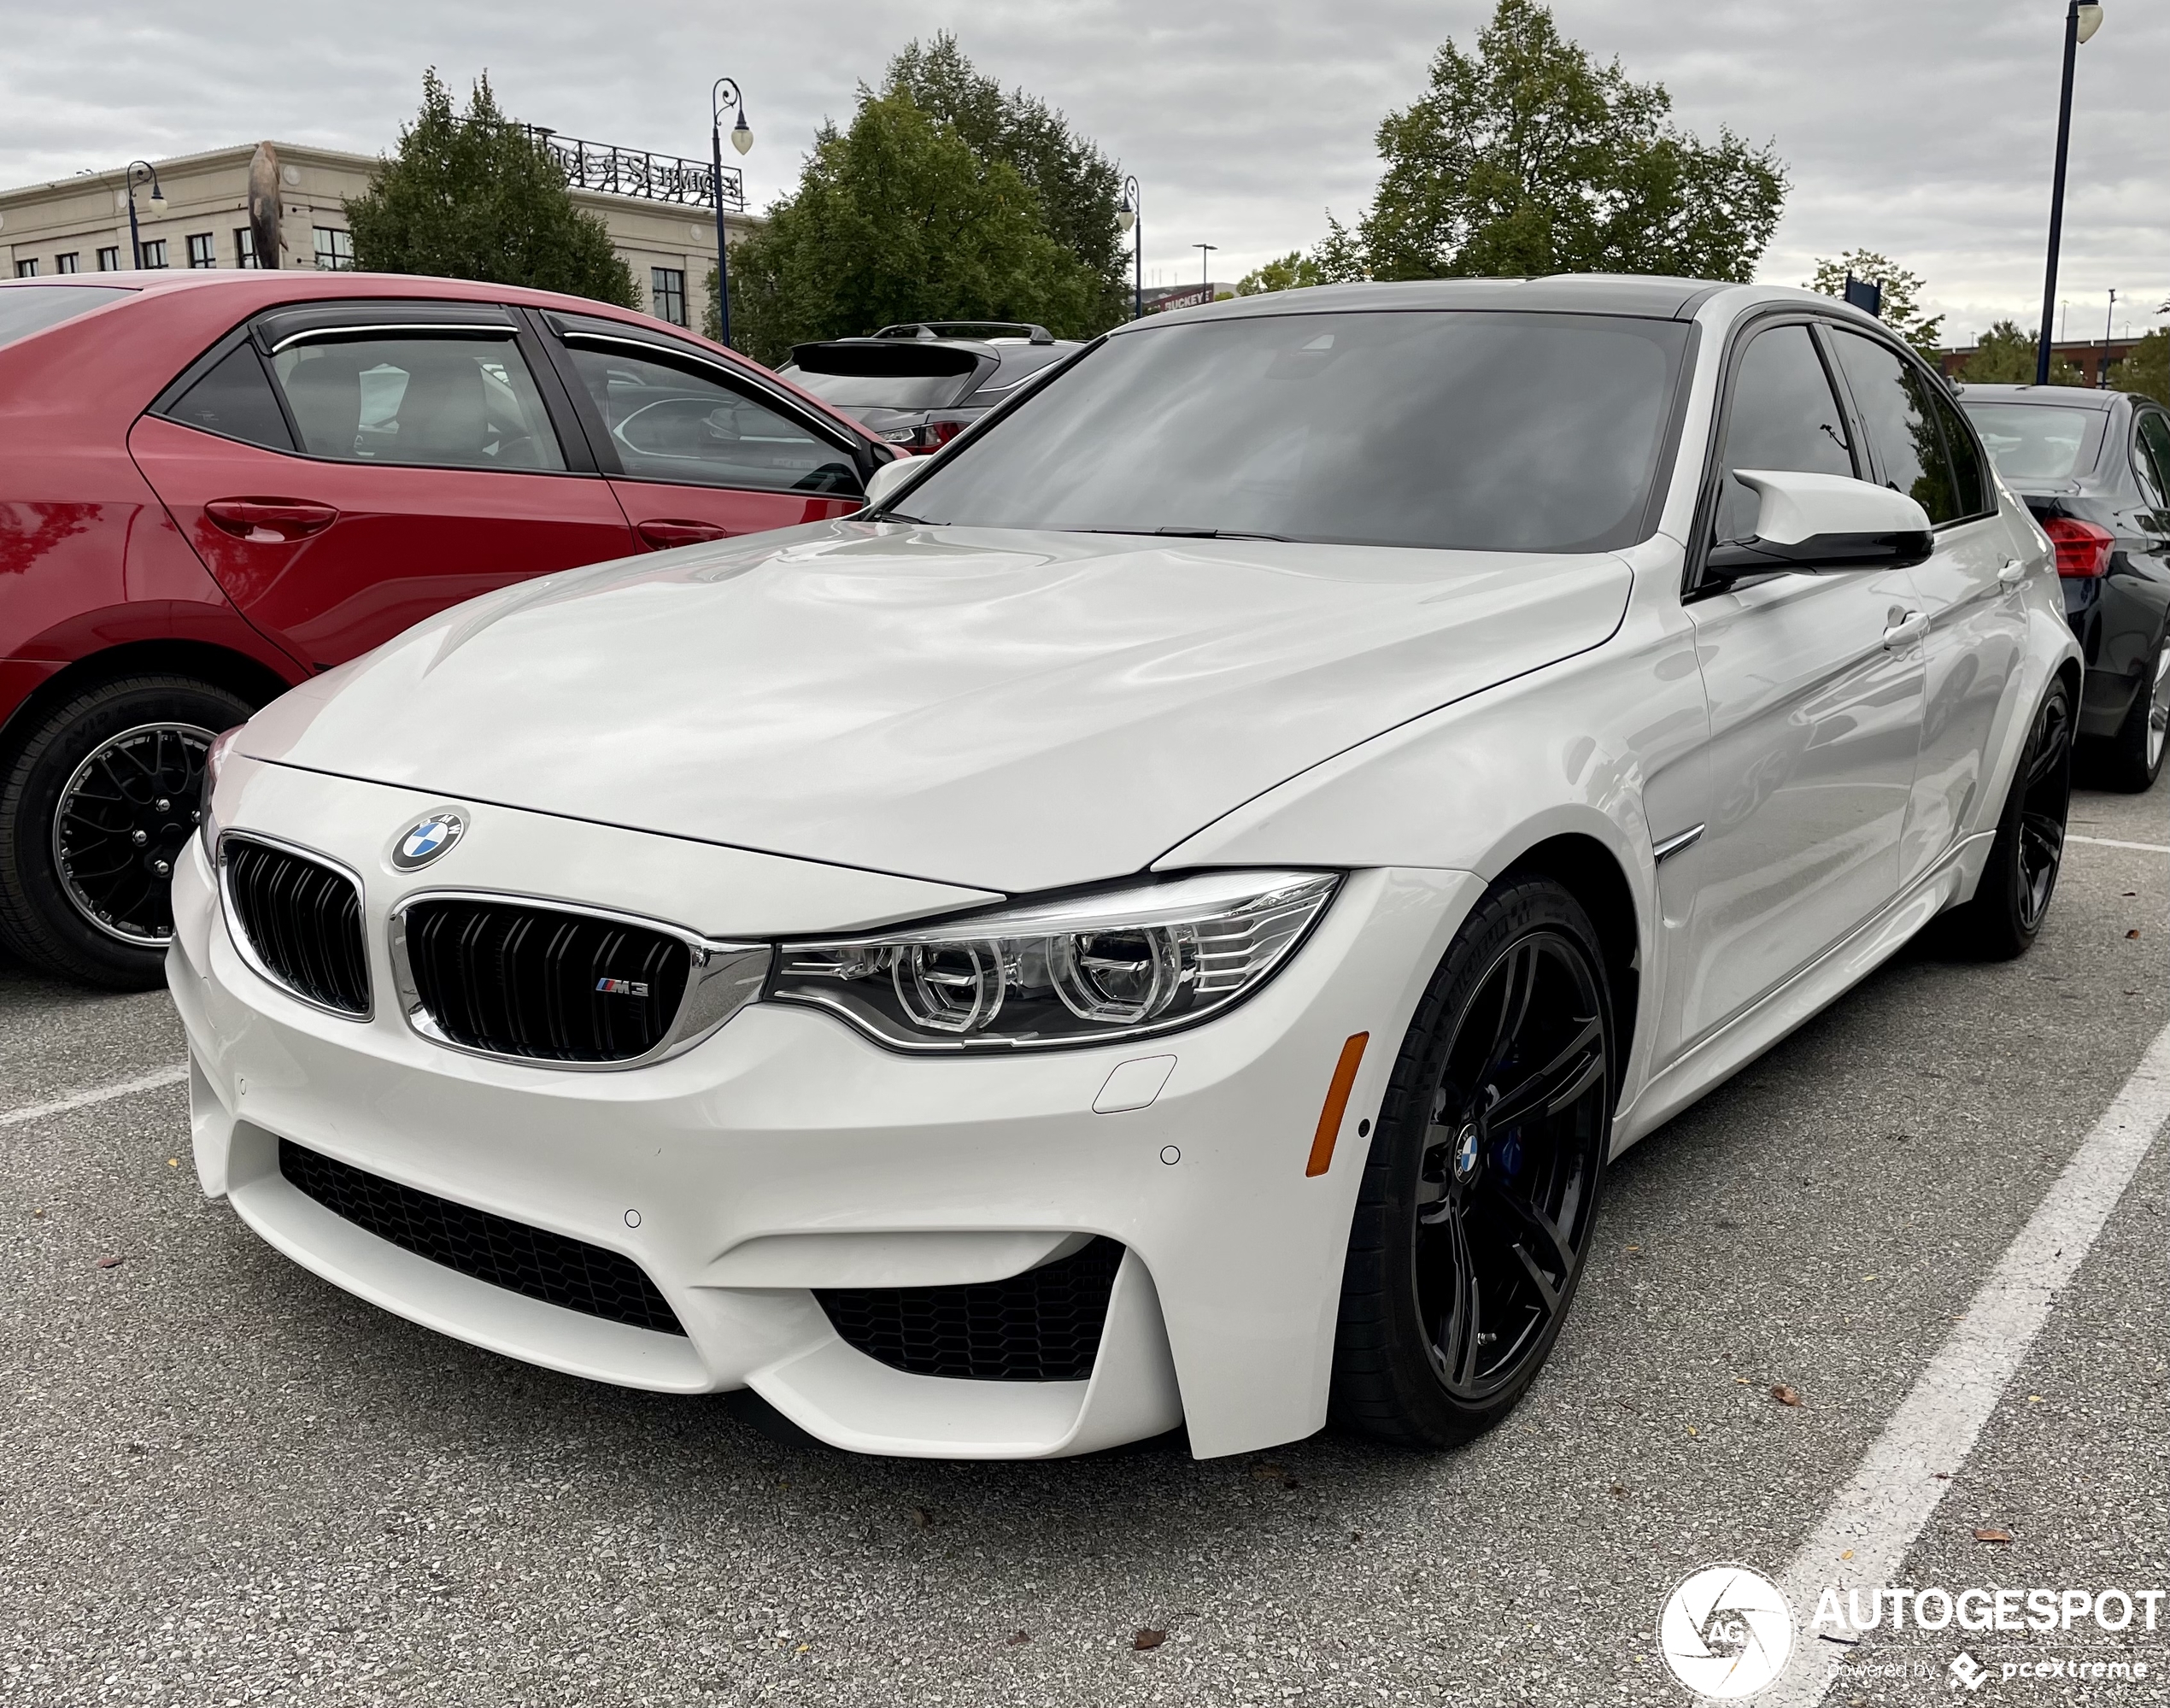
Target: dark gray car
point(920, 384)
point(2094, 467)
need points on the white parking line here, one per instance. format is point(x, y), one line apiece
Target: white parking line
point(83, 1099)
point(1873, 1520)
point(2110, 842)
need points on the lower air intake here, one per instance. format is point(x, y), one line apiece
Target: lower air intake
point(1042, 1326)
point(510, 1254)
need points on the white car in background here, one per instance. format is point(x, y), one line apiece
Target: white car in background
point(1166, 917)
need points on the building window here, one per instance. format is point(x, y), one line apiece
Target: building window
point(26, 269)
point(200, 252)
point(155, 252)
point(70, 263)
point(244, 246)
point(335, 248)
point(109, 259)
point(666, 294)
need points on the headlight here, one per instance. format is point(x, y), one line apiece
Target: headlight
point(1148, 958)
point(215, 761)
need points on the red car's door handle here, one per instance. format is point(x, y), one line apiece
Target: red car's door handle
point(662, 535)
point(270, 521)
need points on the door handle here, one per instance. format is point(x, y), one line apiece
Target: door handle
point(662, 535)
point(2012, 574)
point(1907, 630)
point(270, 521)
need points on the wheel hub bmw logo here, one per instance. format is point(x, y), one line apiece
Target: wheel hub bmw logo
point(420, 843)
point(1467, 1147)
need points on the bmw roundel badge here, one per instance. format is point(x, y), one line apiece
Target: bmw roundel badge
point(420, 843)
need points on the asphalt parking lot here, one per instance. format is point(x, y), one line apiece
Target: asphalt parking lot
point(222, 1480)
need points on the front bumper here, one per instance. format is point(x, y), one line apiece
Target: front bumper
point(788, 1153)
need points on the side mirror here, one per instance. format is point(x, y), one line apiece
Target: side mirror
point(1822, 522)
point(887, 478)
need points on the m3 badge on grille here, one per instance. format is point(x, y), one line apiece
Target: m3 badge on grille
point(420, 844)
point(621, 986)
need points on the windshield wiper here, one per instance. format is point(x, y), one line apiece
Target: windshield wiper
point(1187, 533)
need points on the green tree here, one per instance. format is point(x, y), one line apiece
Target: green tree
point(1079, 189)
point(1528, 157)
point(2006, 355)
point(1291, 273)
point(475, 196)
point(2147, 370)
point(899, 218)
point(1902, 310)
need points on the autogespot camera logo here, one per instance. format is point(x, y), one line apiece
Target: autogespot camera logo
point(1726, 1632)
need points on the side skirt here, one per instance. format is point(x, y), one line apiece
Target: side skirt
point(1716, 1057)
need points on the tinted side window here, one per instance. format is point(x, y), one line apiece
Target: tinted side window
point(1783, 415)
point(668, 423)
point(1899, 411)
point(235, 400)
point(2152, 457)
point(1970, 485)
point(441, 402)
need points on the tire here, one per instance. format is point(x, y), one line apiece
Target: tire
point(84, 899)
point(2131, 760)
point(1436, 1224)
point(2005, 917)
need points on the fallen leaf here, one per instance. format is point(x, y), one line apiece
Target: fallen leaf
point(1620, 1489)
point(1017, 1637)
point(1148, 1640)
point(1993, 1536)
point(2034, 1399)
point(1849, 1554)
point(1869, 1278)
point(1784, 1395)
point(1744, 1381)
point(1356, 1535)
point(109, 1263)
point(2129, 935)
point(173, 1162)
point(1273, 1473)
point(1693, 1431)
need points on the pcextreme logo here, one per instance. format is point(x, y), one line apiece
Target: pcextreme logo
point(1726, 1632)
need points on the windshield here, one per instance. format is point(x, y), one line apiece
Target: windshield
point(2031, 442)
point(27, 309)
point(1485, 432)
point(878, 391)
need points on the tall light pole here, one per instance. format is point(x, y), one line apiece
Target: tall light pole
point(1130, 220)
point(2081, 21)
point(741, 138)
point(1205, 266)
point(2101, 376)
point(157, 206)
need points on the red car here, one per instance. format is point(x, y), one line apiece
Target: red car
point(214, 485)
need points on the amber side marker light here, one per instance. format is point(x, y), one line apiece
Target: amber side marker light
point(1337, 1105)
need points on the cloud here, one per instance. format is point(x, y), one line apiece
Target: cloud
point(1923, 131)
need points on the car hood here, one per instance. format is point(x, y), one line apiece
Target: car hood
point(1012, 711)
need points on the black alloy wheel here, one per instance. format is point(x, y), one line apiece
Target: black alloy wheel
point(123, 819)
point(2020, 875)
point(1481, 1194)
point(98, 800)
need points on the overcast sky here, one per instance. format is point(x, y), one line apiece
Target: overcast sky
point(1923, 130)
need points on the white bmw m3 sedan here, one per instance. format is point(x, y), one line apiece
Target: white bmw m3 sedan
point(1165, 917)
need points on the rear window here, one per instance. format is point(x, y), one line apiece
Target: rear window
point(878, 390)
point(1484, 432)
point(27, 309)
point(2034, 442)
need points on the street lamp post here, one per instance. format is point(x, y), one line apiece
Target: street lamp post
point(1205, 266)
point(741, 138)
point(157, 206)
point(2109, 316)
point(2081, 21)
point(1130, 219)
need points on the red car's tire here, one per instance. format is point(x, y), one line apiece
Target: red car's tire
point(97, 799)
